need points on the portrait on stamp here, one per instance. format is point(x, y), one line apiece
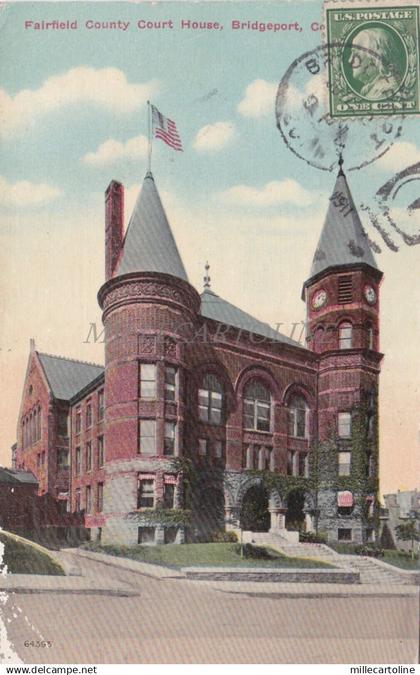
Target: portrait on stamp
point(374, 60)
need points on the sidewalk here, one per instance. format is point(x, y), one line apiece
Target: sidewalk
point(40, 583)
point(85, 577)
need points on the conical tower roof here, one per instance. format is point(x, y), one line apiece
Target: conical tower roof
point(343, 240)
point(149, 245)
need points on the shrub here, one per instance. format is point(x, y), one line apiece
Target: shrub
point(225, 538)
point(372, 551)
point(250, 551)
point(312, 537)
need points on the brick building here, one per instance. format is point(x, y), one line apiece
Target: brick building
point(201, 407)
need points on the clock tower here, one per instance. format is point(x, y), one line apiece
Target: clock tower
point(342, 300)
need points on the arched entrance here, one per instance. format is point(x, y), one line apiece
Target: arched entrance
point(254, 510)
point(295, 516)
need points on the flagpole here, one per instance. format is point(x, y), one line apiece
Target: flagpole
point(149, 125)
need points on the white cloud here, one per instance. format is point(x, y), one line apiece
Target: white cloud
point(106, 87)
point(399, 155)
point(111, 151)
point(214, 137)
point(259, 99)
point(287, 191)
point(25, 194)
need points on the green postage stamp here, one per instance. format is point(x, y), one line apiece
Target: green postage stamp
point(373, 55)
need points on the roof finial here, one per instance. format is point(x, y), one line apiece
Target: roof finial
point(206, 277)
point(340, 164)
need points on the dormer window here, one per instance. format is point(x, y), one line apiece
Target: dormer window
point(88, 414)
point(78, 422)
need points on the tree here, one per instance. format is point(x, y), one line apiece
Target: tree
point(408, 532)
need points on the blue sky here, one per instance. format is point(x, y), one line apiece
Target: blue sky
point(73, 116)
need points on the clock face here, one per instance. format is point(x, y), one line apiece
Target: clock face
point(319, 299)
point(370, 295)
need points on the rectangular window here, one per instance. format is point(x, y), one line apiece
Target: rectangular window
point(88, 415)
point(345, 289)
point(290, 462)
point(344, 462)
point(88, 499)
point(263, 416)
point(203, 404)
point(100, 498)
point(302, 464)
point(101, 453)
point(344, 424)
point(169, 440)
point(62, 423)
point(78, 424)
point(169, 496)
point(170, 383)
point(78, 462)
point(218, 449)
point(62, 458)
point(146, 535)
point(170, 535)
point(77, 501)
point(202, 447)
point(146, 494)
point(215, 410)
point(344, 534)
point(38, 460)
point(300, 423)
point(101, 404)
point(248, 414)
point(89, 456)
point(147, 437)
point(345, 336)
point(147, 381)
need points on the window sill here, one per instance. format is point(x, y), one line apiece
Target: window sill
point(258, 431)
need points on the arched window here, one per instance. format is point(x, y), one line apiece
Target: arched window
point(298, 417)
point(257, 406)
point(345, 335)
point(210, 400)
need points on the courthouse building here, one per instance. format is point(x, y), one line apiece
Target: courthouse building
point(204, 417)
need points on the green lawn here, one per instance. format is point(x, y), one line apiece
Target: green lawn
point(403, 561)
point(25, 557)
point(191, 555)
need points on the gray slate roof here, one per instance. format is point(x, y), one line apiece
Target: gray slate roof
point(343, 240)
point(67, 377)
point(214, 307)
point(149, 245)
point(13, 476)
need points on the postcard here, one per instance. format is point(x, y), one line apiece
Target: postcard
point(210, 410)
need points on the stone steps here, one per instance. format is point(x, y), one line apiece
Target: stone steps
point(303, 550)
point(371, 570)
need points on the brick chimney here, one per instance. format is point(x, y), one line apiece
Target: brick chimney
point(114, 223)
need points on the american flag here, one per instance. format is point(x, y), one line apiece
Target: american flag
point(165, 129)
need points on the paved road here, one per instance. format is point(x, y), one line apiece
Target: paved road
point(179, 621)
